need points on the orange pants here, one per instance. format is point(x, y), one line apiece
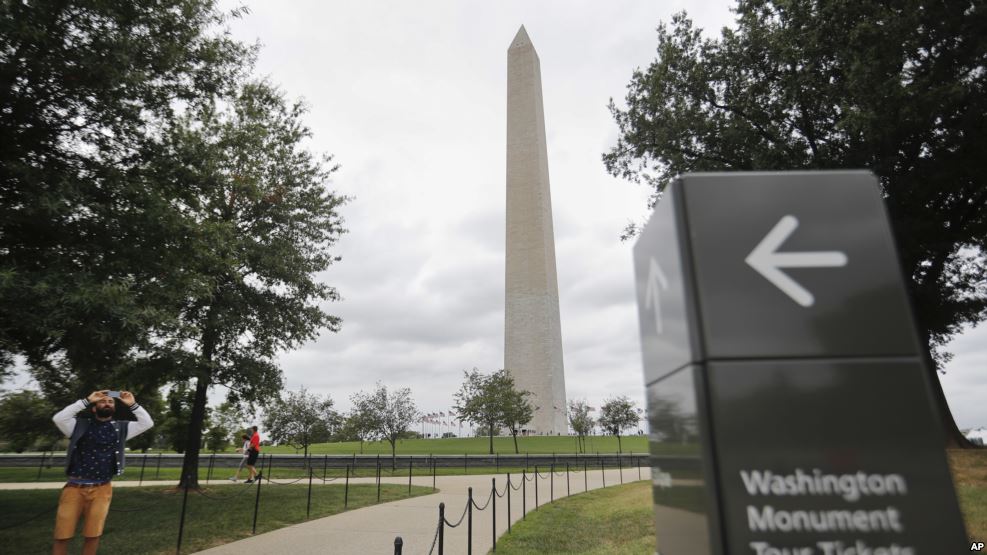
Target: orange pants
point(92, 503)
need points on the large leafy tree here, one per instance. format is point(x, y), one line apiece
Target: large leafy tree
point(896, 87)
point(616, 415)
point(492, 401)
point(90, 244)
point(300, 419)
point(385, 414)
point(264, 223)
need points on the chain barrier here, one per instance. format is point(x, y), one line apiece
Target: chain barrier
point(479, 508)
point(270, 481)
point(461, 517)
point(435, 537)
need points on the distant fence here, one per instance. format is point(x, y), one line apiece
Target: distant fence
point(465, 461)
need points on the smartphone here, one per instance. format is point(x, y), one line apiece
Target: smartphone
point(114, 394)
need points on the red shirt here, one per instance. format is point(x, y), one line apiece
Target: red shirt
point(255, 442)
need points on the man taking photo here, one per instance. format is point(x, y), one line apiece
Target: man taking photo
point(95, 454)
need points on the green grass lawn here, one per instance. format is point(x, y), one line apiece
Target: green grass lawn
point(145, 520)
point(613, 520)
point(621, 519)
point(476, 446)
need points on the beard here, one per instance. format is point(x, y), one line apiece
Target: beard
point(105, 412)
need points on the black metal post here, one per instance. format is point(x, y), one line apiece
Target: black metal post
point(42, 464)
point(466, 464)
point(493, 499)
point(585, 478)
point(433, 473)
point(536, 486)
point(620, 467)
point(157, 472)
point(469, 522)
point(567, 490)
point(308, 507)
point(509, 488)
point(253, 530)
point(378, 481)
point(551, 485)
point(442, 525)
point(398, 544)
point(346, 495)
point(181, 520)
point(143, 464)
point(639, 467)
point(603, 473)
point(325, 465)
point(497, 463)
point(212, 459)
point(524, 495)
point(411, 461)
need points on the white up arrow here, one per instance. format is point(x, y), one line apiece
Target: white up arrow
point(651, 297)
point(767, 261)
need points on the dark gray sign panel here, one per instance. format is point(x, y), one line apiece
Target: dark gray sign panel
point(788, 401)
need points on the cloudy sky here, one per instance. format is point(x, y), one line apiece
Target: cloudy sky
point(410, 98)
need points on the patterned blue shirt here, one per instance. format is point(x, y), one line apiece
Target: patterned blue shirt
point(95, 455)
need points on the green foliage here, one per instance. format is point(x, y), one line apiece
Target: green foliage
point(899, 88)
point(616, 415)
point(384, 415)
point(25, 419)
point(492, 401)
point(301, 419)
point(175, 421)
point(580, 421)
point(91, 243)
point(264, 224)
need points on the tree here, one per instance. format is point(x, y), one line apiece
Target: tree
point(492, 401)
point(357, 426)
point(516, 409)
point(580, 421)
point(899, 88)
point(616, 415)
point(386, 415)
point(25, 419)
point(91, 245)
point(225, 424)
point(264, 221)
point(301, 419)
point(174, 423)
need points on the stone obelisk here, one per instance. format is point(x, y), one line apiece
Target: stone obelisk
point(533, 332)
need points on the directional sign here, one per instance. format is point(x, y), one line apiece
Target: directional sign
point(767, 261)
point(656, 281)
point(795, 264)
point(788, 399)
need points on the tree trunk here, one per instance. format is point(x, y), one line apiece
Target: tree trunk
point(491, 439)
point(514, 433)
point(954, 437)
point(190, 462)
point(619, 448)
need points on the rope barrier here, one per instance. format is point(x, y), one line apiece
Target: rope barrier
point(461, 517)
point(478, 508)
point(270, 481)
point(435, 537)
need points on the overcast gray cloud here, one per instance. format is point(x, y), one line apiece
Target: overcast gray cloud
point(410, 97)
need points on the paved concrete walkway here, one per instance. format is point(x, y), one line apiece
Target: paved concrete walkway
point(371, 530)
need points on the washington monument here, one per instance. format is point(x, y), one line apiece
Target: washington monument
point(533, 333)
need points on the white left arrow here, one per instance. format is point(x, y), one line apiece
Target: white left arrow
point(652, 297)
point(767, 261)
